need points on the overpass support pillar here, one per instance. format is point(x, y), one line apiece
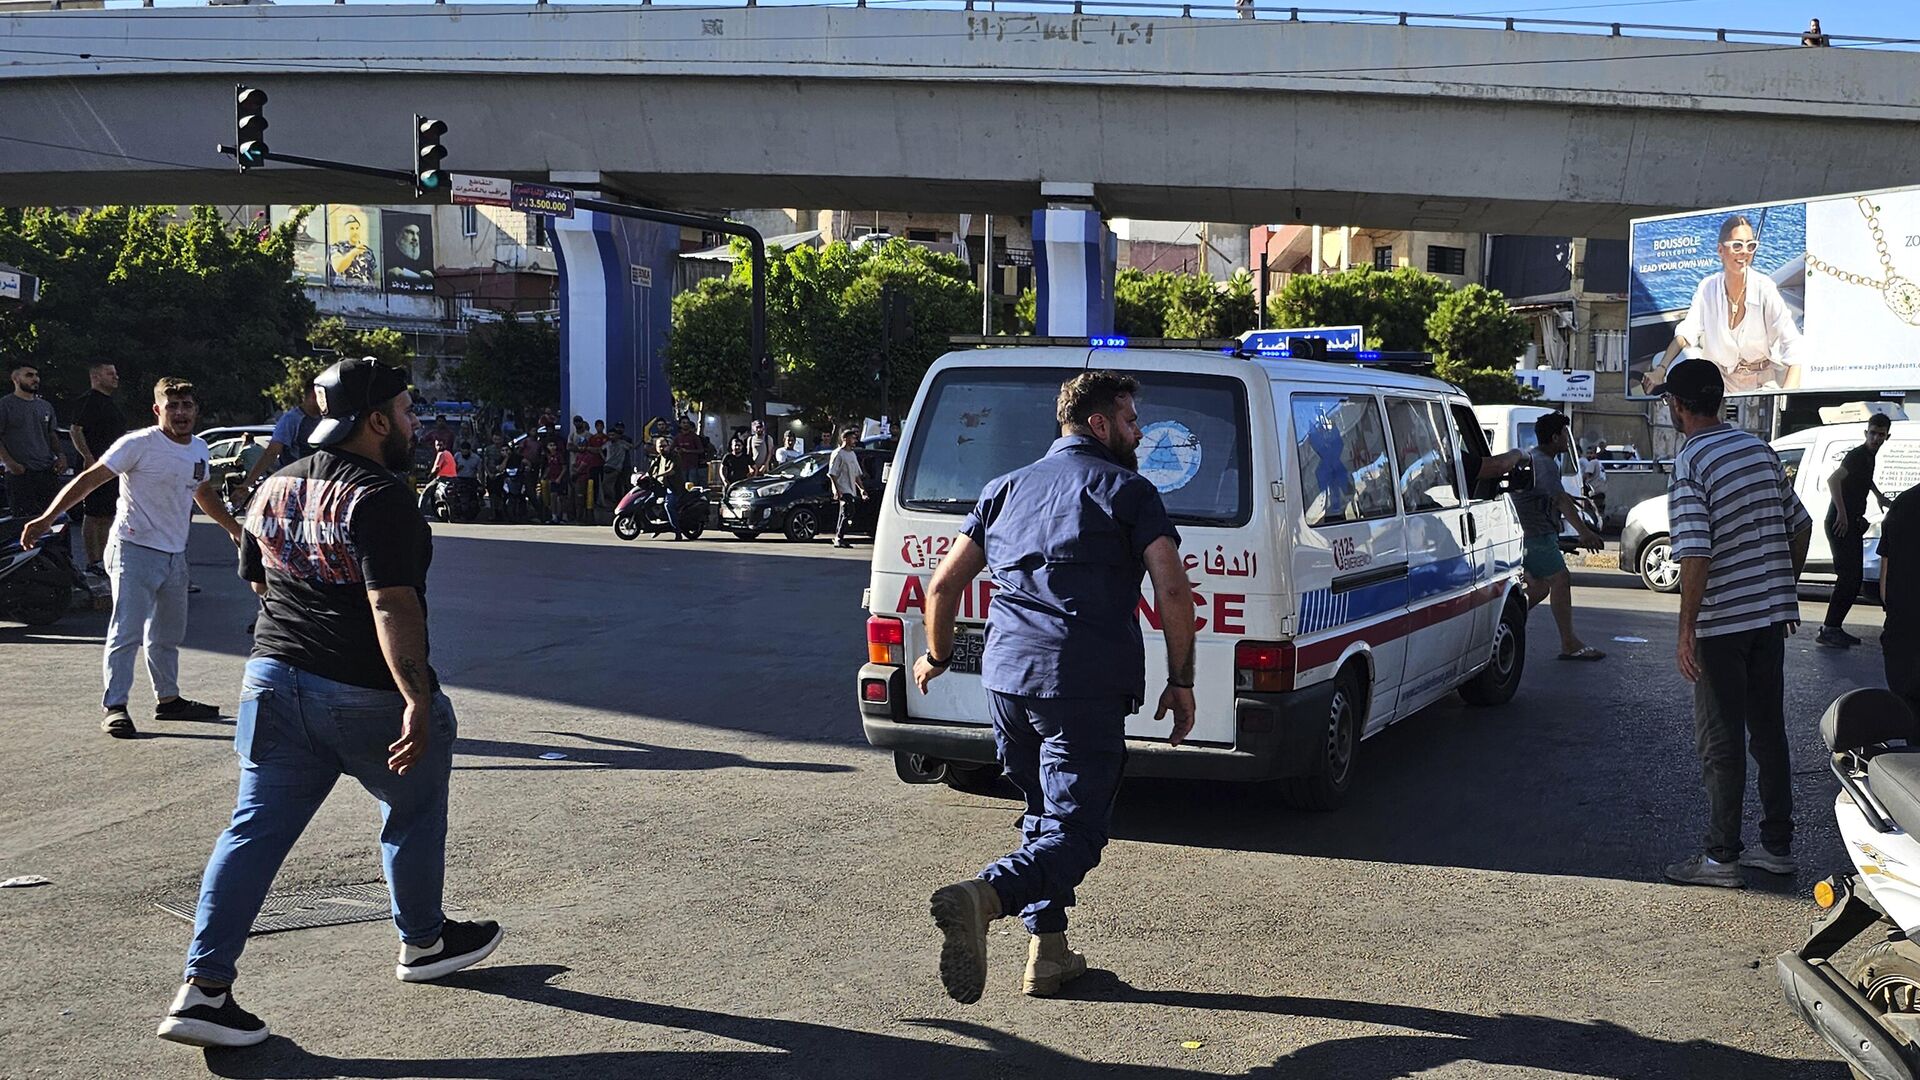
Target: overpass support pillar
point(1073, 261)
point(616, 302)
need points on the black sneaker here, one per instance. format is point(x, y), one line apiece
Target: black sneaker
point(118, 723)
point(183, 709)
point(1835, 638)
point(200, 1017)
point(461, 945)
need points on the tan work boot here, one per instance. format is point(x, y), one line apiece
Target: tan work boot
point(962, 913)
point(1050, 965)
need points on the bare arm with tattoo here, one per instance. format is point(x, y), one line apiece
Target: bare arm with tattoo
point(401, 624)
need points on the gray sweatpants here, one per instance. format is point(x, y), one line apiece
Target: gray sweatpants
point(150, 610)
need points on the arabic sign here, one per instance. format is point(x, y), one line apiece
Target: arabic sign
point(1815, 295)
point(543, 199)
point(481, 190)
point(1348, 338)
point(1558, 385)
point(17, 286)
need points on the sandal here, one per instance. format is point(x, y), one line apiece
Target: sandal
point(1586, 652)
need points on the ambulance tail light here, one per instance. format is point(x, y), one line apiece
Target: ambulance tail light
point(1263, 666)
point(886, 640)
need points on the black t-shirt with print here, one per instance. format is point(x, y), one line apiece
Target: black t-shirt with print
point(1853, 490)
point(99, 420)
point(320, 533)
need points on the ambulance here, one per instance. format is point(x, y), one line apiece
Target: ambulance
point(1345, 573)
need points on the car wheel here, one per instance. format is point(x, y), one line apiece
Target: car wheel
point(1330, 774)
point(803, 524)
point(1497, 682)
point(1658, 570)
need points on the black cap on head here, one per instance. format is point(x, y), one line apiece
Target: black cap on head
point(1693, 379)
point(350, 390)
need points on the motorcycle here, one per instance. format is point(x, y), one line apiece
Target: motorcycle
point(1871, 1015)
point(37, 583)
point(456, 498)
point(645, 508)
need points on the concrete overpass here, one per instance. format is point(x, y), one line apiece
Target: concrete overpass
point(1191, 118)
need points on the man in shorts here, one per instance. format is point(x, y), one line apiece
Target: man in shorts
point(1540, 508)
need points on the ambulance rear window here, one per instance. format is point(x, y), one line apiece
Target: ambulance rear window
point(980, 423)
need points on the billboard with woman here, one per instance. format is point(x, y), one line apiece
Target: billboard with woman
point(1783, 296)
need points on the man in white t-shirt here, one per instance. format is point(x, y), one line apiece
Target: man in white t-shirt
point(163, 472)
point(849, 486)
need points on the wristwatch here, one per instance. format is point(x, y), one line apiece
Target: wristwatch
point(939, 665)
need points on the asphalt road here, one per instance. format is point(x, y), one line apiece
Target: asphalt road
point(721, 879)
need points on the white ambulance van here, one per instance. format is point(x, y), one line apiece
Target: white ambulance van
point(1344, 574)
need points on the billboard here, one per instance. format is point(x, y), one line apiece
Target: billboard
point(353, 259)
point(1783, 296)
point(309, 242)
point(408, 251)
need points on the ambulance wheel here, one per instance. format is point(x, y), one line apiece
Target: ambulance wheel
point(1330, 773)
point(1497, 682)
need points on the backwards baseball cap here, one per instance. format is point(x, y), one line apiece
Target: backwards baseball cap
point(350, 390)
point(1693, 379)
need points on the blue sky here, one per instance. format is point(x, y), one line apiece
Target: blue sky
point(1871, 18)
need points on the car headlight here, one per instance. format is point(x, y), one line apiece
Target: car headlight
point(775, 489)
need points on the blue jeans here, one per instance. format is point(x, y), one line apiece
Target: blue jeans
point(1066, 755)
point(296, 734)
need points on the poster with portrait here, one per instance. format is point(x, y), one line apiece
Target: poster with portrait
point(309, 242)
point(408, 250)
point(353, 247)
point(1822, 295)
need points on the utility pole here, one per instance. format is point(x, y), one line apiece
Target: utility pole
point(986, 281)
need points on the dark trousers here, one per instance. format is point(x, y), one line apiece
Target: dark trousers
point(30, 493)
point(848, 504)
point(1847, 557)
point(1066, 756)
point(1901, 653)
point(1741, 693)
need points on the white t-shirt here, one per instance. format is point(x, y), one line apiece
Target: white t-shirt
point(843, 468)
point(157, 480)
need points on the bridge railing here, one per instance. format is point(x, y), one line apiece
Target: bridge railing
point(1259, 10)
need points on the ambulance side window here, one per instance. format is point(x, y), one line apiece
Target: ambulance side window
point(1345, 472)
point(1423, 454)
point(1473, 444)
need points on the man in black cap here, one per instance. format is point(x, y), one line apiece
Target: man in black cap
point(1740, 535)
point(338, 684)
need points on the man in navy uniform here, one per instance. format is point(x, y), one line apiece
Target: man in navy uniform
point(1066, 540)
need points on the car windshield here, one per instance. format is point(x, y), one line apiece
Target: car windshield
point(980, 423)
point(803, 467)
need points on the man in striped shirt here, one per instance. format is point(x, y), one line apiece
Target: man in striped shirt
point(1740, 534)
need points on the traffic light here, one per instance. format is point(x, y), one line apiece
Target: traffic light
point(896, 316)
point(249, 127)
point(428, 177)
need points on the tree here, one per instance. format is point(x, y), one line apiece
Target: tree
point(1393, 305)
point(511, 365)
point(708, 359)
point(1190, 303)
point(1140, 302)
point(1476, 339)
point(331, 340)
point(157, 295)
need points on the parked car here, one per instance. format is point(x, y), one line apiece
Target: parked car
point(797, 499)
point(1646, 550)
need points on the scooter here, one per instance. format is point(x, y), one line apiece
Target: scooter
point(37, 583)
point(645, 508)
point(456, 498)
point(1871, 1015)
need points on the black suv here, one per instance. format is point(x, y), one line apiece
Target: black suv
point(797, 499)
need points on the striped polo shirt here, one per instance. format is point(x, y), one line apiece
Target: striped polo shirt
point(1731, 503)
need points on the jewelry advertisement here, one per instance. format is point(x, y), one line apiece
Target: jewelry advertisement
point(1822, 295)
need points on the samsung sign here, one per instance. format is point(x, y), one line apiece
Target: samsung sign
point(1558, 385)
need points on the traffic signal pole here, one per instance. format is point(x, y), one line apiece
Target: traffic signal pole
point(757, 327)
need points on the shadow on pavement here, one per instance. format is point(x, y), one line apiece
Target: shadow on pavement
point(1437, 1038)
point(622, 754)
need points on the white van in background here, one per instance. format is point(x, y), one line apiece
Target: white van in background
point(1810, 456)
point(1345, 577)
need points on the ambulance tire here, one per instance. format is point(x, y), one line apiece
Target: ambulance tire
point(1330, 774)
point(1498, 681)
point(977, 779)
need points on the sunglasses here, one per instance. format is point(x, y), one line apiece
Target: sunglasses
point(1741, 247)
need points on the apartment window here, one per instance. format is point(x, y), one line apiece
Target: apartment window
point(469, 220)
point(1383, 257)
point(1446, 260)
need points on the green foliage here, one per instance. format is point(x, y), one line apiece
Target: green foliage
point(1476, 339)
point(1393, 305)
point(511, 365)
point(1190, 302)
point(707, 352)
point(1162, 303)
point(1140, 302)
point(292, 385)
point(1026, 312)
point(196, 299)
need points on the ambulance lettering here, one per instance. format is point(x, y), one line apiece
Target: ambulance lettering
point(1223, 613)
